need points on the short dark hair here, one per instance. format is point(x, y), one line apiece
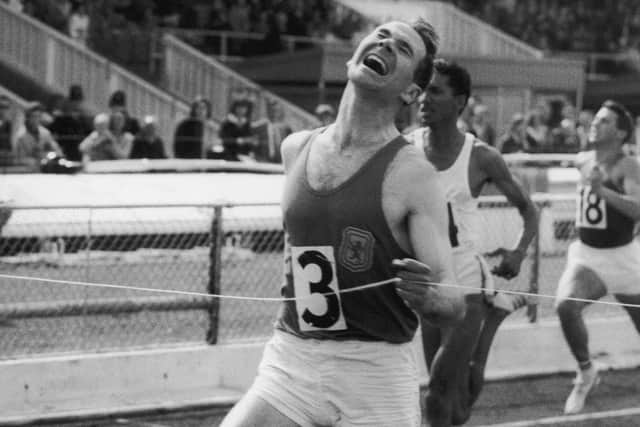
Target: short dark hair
point(459, 78)
point(624, 121)
point(424, 71)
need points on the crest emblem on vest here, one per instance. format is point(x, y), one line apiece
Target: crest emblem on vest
point(356, 249)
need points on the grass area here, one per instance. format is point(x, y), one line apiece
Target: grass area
point(243, 273)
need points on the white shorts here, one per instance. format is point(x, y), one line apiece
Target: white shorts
point(473, 272)
point(340, 383)
point(618, 268)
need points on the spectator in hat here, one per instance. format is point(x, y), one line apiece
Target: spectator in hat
point(270, 132)
point(71, 124)
point(326, 114)
point(147, 144)
point(236, 133)
point(118, 103)
point(34, 141)
point(188, 140)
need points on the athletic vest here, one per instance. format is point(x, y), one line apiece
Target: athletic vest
point(336, 240)
point(599, 224)
point(464, 224)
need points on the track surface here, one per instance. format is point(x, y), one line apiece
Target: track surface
point(522, 402)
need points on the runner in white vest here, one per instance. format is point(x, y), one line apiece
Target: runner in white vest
point(456, 356)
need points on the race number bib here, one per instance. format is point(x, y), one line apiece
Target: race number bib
point(591, 210)
point(316, 289)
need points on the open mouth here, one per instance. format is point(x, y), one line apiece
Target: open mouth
point(376, 63)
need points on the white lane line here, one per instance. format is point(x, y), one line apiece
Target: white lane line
point(570, 418)
point(554, 323)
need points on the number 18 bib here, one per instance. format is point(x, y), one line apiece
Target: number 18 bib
point(591, 210)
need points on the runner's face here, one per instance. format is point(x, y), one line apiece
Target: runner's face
point(438, 102)
point(387, 58)
point(604, 129)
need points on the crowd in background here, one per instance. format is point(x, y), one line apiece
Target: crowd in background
point(67, 128)
point(564, 25)
point(546, 128)
point(67, 131)
point(553, 25)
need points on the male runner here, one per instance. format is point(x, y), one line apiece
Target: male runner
point(606, 257)
point(359, 204)
point(456, 356)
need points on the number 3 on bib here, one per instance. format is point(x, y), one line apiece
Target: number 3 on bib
point(316, 289)
point(591, 212)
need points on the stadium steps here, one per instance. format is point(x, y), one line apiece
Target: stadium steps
point(25, 87)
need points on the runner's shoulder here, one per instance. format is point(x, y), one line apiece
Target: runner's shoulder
point(411, 167)
point(292, 145)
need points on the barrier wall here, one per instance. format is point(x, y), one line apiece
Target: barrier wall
point(67, 272)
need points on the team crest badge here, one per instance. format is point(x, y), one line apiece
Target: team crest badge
point(356, 249)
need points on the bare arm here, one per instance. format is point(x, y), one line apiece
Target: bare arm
point(427, 233)
point(498, 171)
point(628, 203)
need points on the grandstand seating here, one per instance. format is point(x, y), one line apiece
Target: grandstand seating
point(43, 54)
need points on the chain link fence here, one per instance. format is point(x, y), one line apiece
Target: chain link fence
point(67, 272)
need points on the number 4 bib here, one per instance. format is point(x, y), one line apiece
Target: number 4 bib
point(591, 212)
point(316, 289)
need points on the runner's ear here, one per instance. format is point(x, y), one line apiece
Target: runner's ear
point(411, 94)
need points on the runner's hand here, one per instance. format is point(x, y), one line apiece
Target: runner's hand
point(595, 178)
point(414, 287)
point(510, 263)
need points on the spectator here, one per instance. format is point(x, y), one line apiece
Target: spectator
point(34, 141)
point(118, 103)
point(100, 144)
point(6, 126)
point(564, 138)
point(148, 145)
point(537, 131)
point(326, 114)
point(236, 133)
point(69, 131)
point(71, 124)
point(481, 125)
point(514, 141)
point(122, 139)
point(189, 134)
point(270, 132)
point(79, 23)
point(584, 124)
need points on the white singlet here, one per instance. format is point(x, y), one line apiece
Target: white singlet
point(464, 217)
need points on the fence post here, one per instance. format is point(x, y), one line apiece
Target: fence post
point(215, 266)
point(532, 305)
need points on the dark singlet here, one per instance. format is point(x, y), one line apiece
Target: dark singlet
point(599, 224)
point(339, 239)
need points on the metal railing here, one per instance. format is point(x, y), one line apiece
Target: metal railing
point(191, 73)
point(221, 42)
point(466, 35)
point(460, 34)
point(67, 273)
point(59, 62)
